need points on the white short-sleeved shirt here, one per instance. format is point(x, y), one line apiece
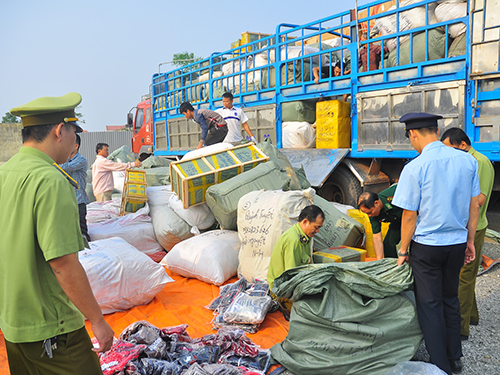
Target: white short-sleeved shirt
point(234, 117)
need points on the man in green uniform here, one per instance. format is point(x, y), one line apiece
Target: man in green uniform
point(44, 291)
point(379, 209)
point(294, 247)
point(456, 137)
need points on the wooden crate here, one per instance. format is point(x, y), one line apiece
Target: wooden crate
point(134, 194)
point(191, 178)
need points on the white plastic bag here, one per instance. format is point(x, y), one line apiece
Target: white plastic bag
point(211, 257)
point(298, 135)
point(246, 309)
point(135, 228)
point(120, 276)
point(263, 216)
point(198, 216)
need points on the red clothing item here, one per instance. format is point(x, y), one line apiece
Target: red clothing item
point(375, 56)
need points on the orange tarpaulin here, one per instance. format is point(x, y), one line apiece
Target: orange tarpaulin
point(182, 301)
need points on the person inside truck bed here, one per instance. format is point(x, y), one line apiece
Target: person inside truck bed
point(325, 73)
point(375, 54)
point(235, 118)
point(379, 209)
point(213, 126)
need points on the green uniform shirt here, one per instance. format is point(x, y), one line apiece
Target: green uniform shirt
point(39, 222)
point(292, 249)
point(486, 174)
point(388, 213)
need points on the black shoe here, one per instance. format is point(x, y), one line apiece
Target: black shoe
point(456, 366)
point(464, 337)
point(473, 323)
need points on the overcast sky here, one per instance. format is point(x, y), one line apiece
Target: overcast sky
point(108, 50)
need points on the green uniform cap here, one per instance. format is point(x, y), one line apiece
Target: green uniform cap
point(50, 110)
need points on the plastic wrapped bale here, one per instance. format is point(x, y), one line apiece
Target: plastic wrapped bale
point(222, 199)
point(300, 111)
point(415, 368)
point(159, 195)
point(301, 175)
point(298, 135)
point(263, 216)
point(158, 176)
point(211, 257)
point(135, 228)
point(348, 318)
point(122, 155)
point(436, 48)
point(282, 161)
point(155, 162)
point(457, 47)
point(98, 212)
point(120, 276)
point(338, 228)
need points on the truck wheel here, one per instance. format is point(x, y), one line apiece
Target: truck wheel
point(342, 187)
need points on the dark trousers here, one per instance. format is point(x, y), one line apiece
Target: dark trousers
point(392, 238)
point(216, 135)
point(436, 271)
point(82, 211)
point(73, 356)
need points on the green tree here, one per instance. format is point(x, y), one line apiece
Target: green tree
point(9, 118)
point(184, 58)
point(79, 115)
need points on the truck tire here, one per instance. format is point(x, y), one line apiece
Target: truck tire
point(342, 187)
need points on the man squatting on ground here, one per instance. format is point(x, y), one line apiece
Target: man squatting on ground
point(379, 209)
point(44, 290)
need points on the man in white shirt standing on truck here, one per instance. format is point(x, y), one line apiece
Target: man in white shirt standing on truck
point(235, 118)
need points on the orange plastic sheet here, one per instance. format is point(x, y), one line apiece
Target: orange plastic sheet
point(182, 301)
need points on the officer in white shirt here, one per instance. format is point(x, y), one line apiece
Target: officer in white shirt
point(234, 117)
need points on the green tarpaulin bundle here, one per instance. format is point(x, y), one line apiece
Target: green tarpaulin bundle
point(348, 318)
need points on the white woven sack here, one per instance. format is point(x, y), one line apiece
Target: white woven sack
point(169, 228)
point(159, 195)
point(135, 228)
point(298, 135)
point(120, 276)
point(98, 212)
point(211, 257)
point(450, 10)
point(199, 217)
point(263, 216)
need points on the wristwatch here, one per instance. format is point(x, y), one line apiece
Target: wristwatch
point(403, 254)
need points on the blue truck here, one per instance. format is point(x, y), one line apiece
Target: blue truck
point(396, 57)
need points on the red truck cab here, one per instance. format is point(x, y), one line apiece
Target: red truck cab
point(142, 126)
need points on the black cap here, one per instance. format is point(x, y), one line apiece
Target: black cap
point(419, 120)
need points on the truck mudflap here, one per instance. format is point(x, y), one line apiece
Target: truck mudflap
point(317, 163)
